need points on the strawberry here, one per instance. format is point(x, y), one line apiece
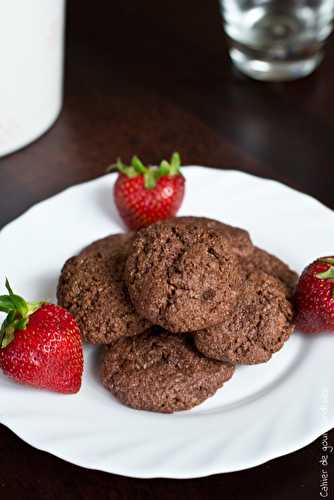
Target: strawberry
point(40, 344)
point(315, 297)
point(146, 194)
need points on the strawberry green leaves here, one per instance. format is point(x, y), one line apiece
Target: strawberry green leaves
point(150, 178)
point(150, 173)
point(175, 164)
point(13, 302)
point(138, 166)
point(18, 312)
point(329, 273)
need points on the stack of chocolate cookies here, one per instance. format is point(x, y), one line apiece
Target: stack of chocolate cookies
point(178, 304)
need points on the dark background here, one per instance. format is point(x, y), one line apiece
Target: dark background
point(149, 78)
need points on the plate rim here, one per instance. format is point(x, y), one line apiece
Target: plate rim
point(206, 471)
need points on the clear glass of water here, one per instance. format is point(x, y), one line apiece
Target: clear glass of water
point(277, 39)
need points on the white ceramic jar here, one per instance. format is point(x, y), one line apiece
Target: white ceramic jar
point(31, 69)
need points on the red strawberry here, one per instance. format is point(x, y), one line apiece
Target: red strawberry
point(40, 344)
point(146, 194)
point(315, 297)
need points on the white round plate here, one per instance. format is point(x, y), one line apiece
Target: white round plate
point(265, 411)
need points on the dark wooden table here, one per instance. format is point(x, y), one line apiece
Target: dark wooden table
point(149, 78)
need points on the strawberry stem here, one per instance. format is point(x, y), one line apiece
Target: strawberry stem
point(150, 178)
point(18, 311)
point(7, 285)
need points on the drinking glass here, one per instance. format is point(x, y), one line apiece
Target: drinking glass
point(277, 39)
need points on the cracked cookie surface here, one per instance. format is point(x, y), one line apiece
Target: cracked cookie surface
point(182, 276)
point(260, 260)
point(92, 288)
point(160, 371)
point(239, 239)
point(258, 326)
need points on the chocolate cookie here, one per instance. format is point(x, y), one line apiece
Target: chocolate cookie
point(162, 372)
point(239, 239)
point(182, 276)
point(256, 328)
point(261, 260)
point(92, 288)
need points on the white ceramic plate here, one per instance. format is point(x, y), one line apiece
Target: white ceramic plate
point(264, 411)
